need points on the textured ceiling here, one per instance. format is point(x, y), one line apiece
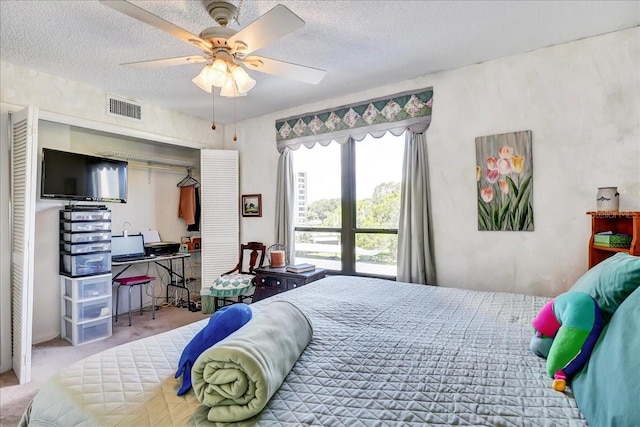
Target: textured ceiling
point(361, 44)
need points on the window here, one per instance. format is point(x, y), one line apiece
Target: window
point(348, 204)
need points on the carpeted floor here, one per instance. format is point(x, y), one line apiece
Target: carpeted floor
point(51, 356)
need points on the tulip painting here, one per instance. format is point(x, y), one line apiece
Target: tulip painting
point(504, 175)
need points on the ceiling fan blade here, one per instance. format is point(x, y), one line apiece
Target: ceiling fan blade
point(167, 62)
point(153, 20)
point(284, 69)
point(276, 23)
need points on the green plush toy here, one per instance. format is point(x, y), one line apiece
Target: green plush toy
point(567, 329)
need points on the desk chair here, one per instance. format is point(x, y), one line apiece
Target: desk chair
point(130, 282)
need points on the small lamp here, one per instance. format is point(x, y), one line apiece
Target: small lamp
point(125, 233)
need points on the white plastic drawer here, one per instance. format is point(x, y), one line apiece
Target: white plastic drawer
point(88, 310)
point(86, 332)
point(83, 248)
point(86, 215)
point(90, 287)
point(86, 237)
point(85, 265)
point(86, 226)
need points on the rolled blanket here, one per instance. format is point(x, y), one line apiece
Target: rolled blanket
point(237, 376)
point(221, 324)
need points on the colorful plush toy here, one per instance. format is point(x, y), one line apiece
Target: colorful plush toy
point(221, 324)
point(567, 329)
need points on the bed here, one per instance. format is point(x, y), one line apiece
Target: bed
point(382, 353)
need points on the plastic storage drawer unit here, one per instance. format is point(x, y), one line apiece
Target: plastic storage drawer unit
point(102, 236)
point(83, 248)
point(86, 225)
point(90, 287)
point(87, 215)
point(83, 333)
point(85, 273)
point(87, 310)
point(85, 264)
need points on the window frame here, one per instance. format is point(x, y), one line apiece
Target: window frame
point(349, 229)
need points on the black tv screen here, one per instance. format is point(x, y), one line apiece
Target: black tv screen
point(74, 176)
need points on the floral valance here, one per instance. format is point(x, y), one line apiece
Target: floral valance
point(395, 114)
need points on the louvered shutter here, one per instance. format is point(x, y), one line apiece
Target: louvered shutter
point(219, 213)
point(24, 153)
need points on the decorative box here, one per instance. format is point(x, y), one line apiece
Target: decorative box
point(611, 240)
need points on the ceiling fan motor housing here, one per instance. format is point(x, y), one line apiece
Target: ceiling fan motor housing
point(217, 35)
point(221, 11)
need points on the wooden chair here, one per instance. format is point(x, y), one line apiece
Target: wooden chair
point(237, 284)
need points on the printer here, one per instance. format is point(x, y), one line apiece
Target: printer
point(154, 246)
point(161, 248)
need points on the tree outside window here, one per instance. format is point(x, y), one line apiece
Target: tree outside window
point(349, 227)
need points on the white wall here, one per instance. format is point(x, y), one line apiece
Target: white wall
point(23, 86)
point(582, 102)
point(20, 87)
point(258, 161)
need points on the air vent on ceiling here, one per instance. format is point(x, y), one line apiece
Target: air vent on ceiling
point(123, 108)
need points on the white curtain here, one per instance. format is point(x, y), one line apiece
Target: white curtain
point(285, 199)
point(415, 237)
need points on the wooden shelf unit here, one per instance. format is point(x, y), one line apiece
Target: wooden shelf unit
point(618, 222)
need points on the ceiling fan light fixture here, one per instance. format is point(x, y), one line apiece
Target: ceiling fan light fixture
point(214, 74)
point(230, 90)
point(201, 80)
point(244, 82)
point(218, 73)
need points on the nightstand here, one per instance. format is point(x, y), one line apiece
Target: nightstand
point(271, 281)
point(617, 222)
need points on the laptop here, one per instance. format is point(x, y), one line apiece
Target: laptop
point(127, 248)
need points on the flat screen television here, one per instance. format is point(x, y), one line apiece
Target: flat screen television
point(74, 176)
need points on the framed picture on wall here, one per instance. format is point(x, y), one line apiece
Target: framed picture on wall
point(252, 205)
point(504, 176)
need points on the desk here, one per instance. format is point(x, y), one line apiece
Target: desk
point(177, 280)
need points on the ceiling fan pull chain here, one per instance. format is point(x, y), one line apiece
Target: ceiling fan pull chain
point(236, 18)
point(235, 120)
point(213, 109)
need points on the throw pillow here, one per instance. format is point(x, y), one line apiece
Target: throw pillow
point(611, 281)
point(606, 389)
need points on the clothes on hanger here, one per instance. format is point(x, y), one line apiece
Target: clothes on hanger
point(188, 181)
point(196, 225)
point(187, 205)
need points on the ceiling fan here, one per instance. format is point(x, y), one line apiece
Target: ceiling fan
point(224, 48)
